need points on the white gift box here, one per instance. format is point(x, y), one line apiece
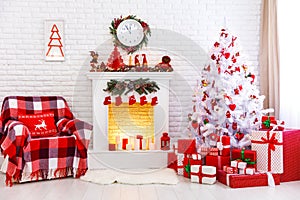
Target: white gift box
point(269, 148)
point(203, 174)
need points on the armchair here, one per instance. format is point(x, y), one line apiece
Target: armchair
point(41, 139)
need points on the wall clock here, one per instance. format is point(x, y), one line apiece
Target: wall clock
point(130, 33)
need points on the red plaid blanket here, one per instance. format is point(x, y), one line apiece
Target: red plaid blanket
point(42, 156)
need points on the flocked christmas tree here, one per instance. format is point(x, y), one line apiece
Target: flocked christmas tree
point(226, 99)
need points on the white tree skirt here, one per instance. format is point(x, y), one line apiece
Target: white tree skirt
point(134, 177)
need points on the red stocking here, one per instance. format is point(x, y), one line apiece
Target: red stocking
point(143, 100)
point(118, 101)
point(107, 100)
point(132, 100)
point(154, 101)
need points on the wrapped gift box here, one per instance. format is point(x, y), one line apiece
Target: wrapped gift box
point(180, 167)
point(266, 122)
point(217, 161)
point(230, 170)
point(248, 156)
point(291, 155)
point(172, 161)
point(242, 181)
point(203, 174)
point(187, 146)
point(269, 147)
point(224, 145)
point(213, 152)
point(188, 161)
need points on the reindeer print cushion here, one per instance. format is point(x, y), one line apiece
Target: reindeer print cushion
point(40, 125)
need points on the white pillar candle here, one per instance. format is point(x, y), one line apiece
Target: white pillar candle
point(118, 140)
point(119, 146)
point(137, 144)
point(128, 147)
point(151, 146)
point(144, 144)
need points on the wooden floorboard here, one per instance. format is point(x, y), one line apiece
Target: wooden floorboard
point(76, 189)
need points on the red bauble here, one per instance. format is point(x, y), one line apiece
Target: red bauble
point(232, 107)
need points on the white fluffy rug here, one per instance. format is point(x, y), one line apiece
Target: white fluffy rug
point(137, 177)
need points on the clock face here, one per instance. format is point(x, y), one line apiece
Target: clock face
point(130, 32)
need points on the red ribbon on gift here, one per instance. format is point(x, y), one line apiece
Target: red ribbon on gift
point(271, 145)
point(201, 175)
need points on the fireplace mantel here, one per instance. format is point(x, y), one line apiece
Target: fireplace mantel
point(100, 121)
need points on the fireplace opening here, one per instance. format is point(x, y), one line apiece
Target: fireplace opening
point(130, 127)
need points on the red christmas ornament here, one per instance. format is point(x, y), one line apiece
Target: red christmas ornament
point(214, 137)
point(232, 107)
point(228, 115)
point(118, 100)
point(234, 126)
point(227, 55)
point(213, 57)
point(132, 100)
point(239, 136)
point(107, 100)
point(195, 124)
point(217, 44)
point(154, 101)
point(143, 100)
point(236, 91)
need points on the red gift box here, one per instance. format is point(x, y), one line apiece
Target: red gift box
point(213, 152)
point(187, 146)
point(242, 180)
point(291, 156)
point(190, 159)
point(266, 122)
point(217, 161)
point(230, 170)
point(224, 145)
point(172, 161)
point(248, 156)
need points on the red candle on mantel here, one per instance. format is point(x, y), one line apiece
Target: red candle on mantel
point(140, 137)
point(124, 142)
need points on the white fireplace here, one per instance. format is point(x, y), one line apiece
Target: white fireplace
point(100, 112)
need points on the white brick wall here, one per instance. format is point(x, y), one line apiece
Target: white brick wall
point(185, 30)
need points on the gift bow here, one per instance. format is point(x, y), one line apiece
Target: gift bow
point(271, 141)
point(247, 160)
point(277, 124)
point(187, 168)
point(267, 122)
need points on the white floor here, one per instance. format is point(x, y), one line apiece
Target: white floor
point(73, 189)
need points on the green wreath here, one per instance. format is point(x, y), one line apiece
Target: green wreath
point(141, 86)
point(113, 30)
